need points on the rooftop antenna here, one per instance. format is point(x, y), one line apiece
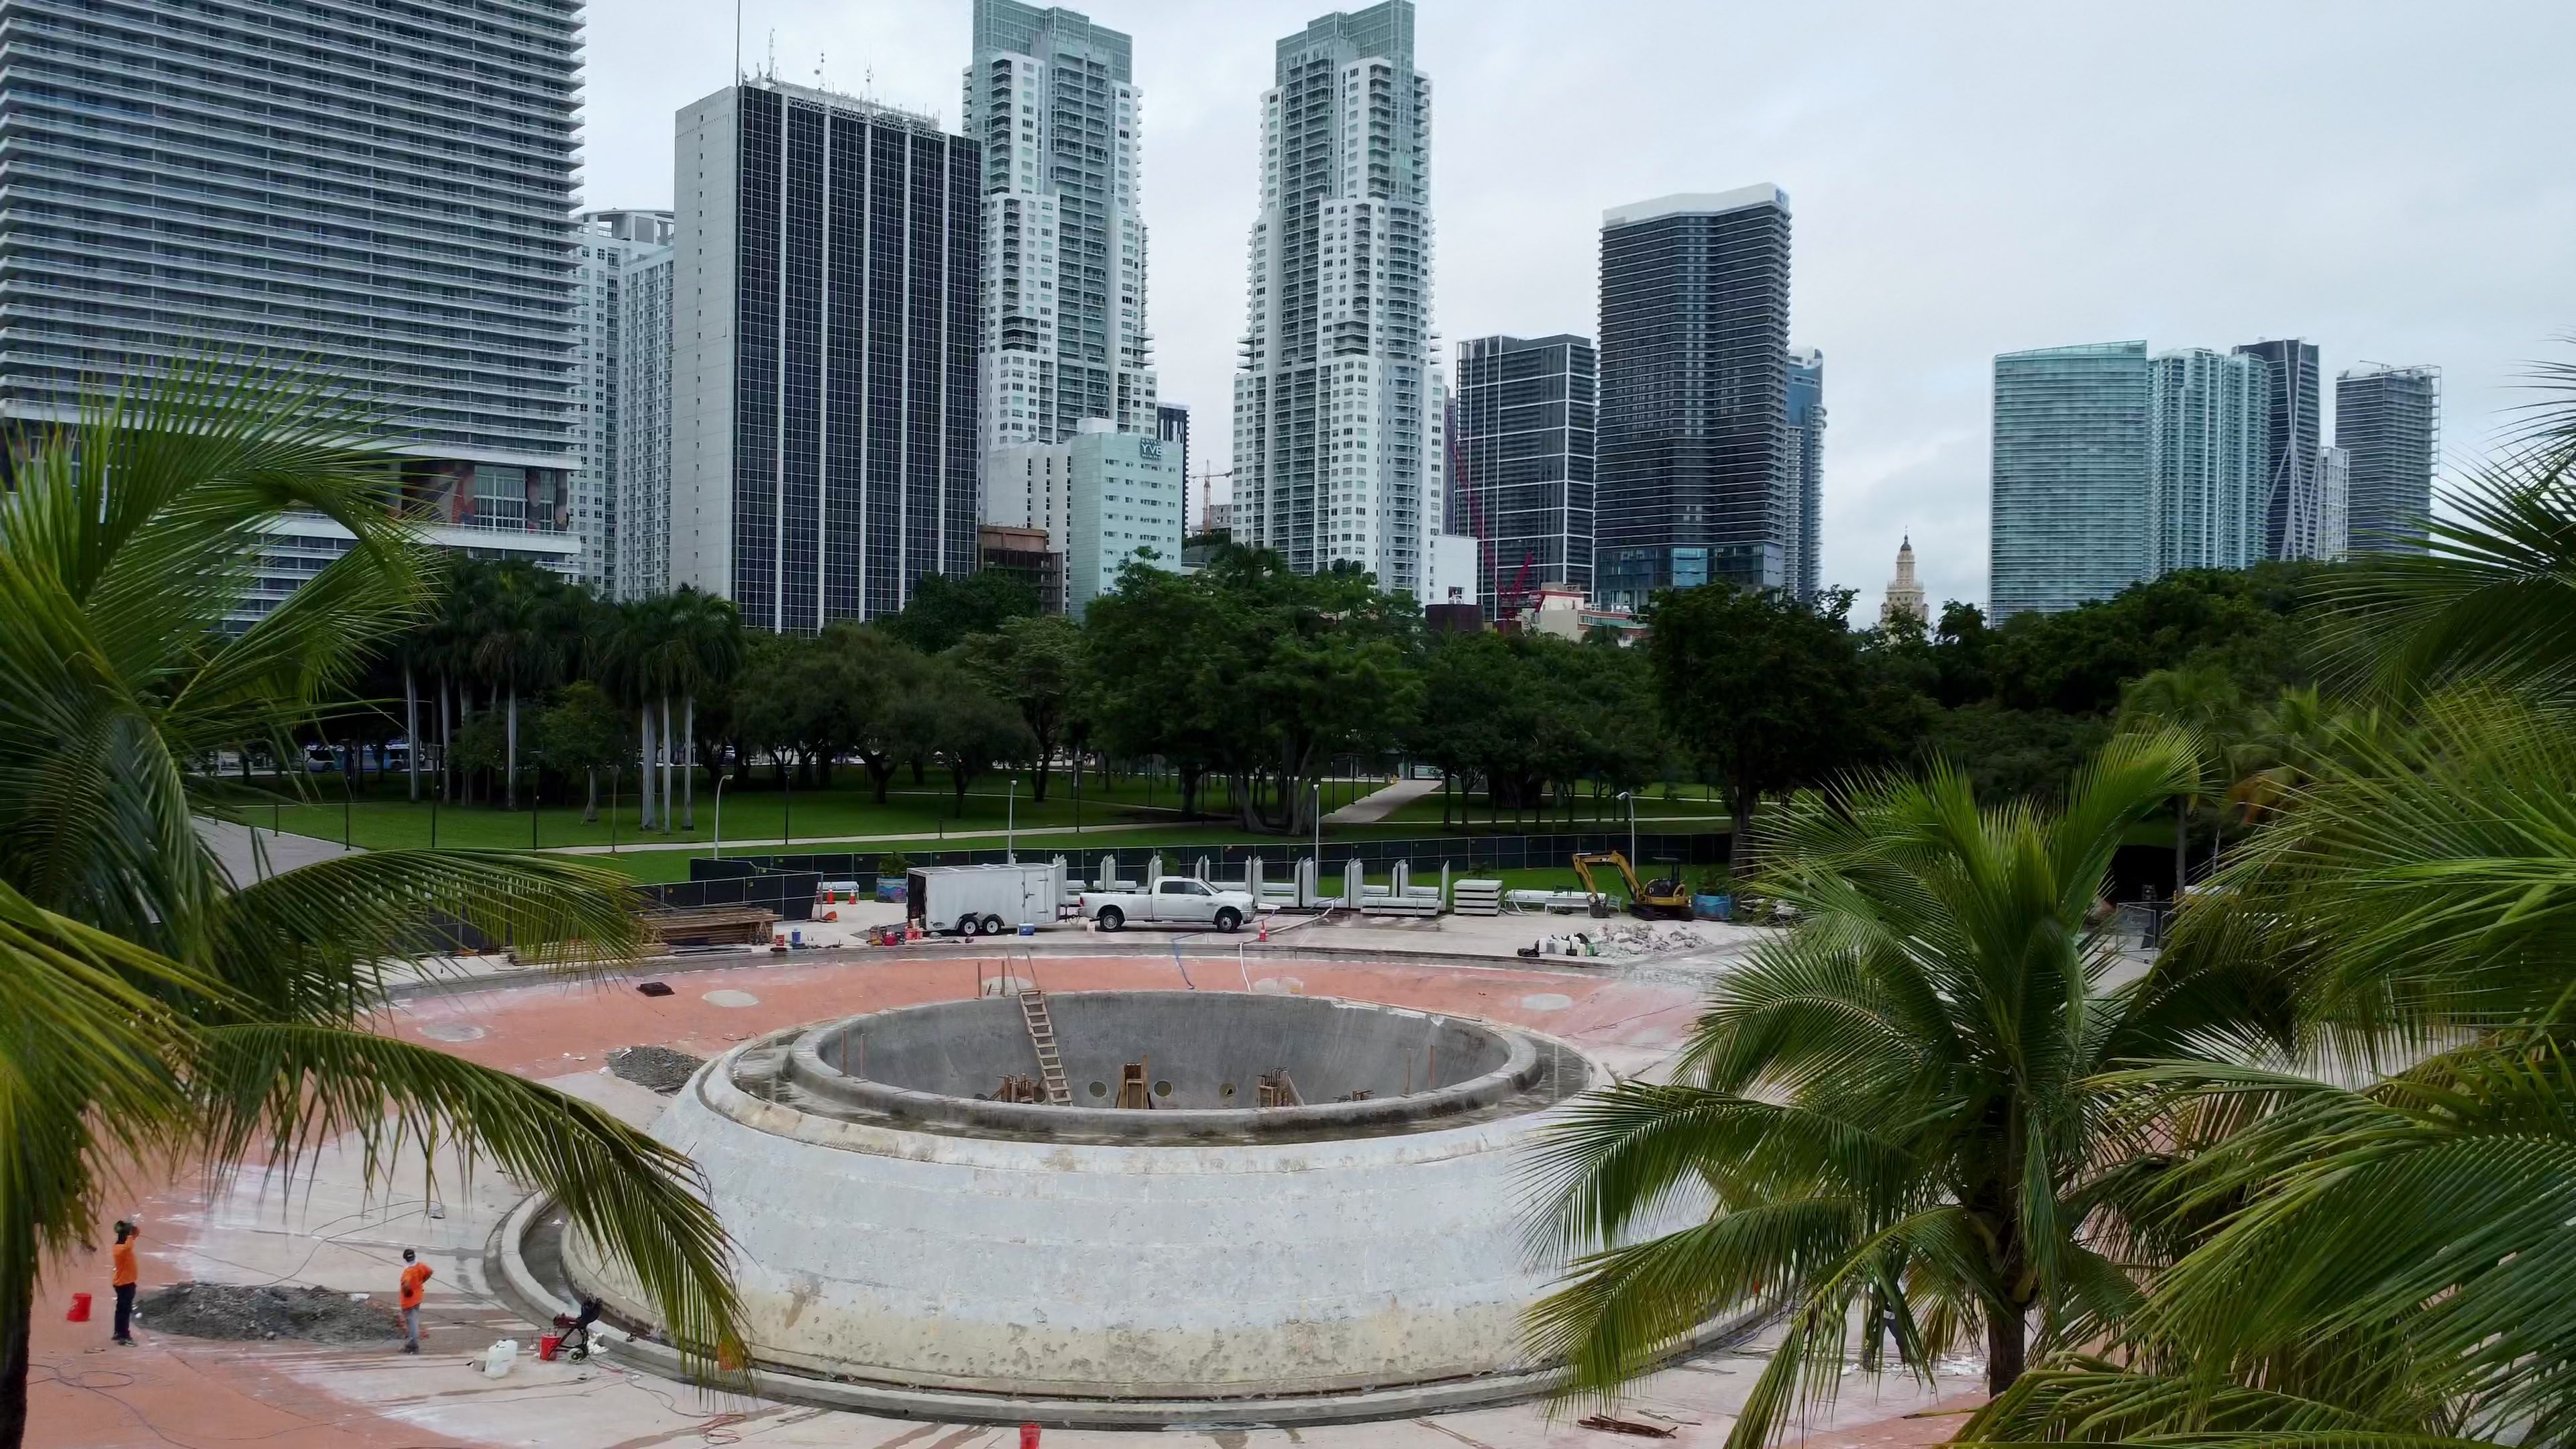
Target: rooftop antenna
point(821, 84)
point(772, 69)
point(737, 42)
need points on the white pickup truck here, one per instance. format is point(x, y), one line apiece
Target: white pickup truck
point(1168, 900)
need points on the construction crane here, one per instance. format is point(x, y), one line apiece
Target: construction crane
point(1655, 900)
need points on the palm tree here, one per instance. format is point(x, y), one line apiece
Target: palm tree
point(515, 642)
point(709, 632)
point(2387, 1262)
point(150, 1004)
point(641, 658)
point(2203, 702)
point(1887, 1110)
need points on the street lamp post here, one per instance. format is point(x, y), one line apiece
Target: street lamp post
point(719, 841)
point(612, 809)
point(1319, 838)
point(1011, 823)
point(1631, 797)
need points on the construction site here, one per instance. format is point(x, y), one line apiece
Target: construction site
point(1255, 1191)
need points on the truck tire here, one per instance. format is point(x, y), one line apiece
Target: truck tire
point(1227, 920)
point(966, 926)
point(993, 925)
point(1111, 918)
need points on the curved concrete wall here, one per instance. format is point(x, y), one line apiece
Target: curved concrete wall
point(1037, 1268)
point(1209, 1047)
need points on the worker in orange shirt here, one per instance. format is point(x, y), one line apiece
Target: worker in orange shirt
point(414, 1274)
point(124, 1280)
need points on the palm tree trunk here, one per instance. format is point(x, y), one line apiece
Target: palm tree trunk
point(665, 781)
point(2007, 1349)
point(2182, 858)
point(590, 801)
point(644, 796)
point(17, 1323)
point(411, 731)
point(446, 742)
point(510, 765)
point(689, 764)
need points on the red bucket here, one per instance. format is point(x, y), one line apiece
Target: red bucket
point(1028, 1436)
point(80, 1309)
point(547, 1343)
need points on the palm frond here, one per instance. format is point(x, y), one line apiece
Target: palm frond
point(287, 1090)
point(311, 943)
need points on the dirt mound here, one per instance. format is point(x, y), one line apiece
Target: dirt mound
point(660, 1068)
point(227, 1310)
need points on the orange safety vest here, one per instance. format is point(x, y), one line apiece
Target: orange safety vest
point(124, 1263)
point(412, 1278)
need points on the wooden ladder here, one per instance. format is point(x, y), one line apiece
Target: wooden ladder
point(1033, 1012)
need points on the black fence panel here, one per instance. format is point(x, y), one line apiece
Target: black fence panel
point(789, 893)
point(1464, 854)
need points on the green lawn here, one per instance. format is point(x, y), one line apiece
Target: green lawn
point(845, 818)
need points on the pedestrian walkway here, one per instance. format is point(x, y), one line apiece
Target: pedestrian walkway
point(250, 854)
point(1370, 809)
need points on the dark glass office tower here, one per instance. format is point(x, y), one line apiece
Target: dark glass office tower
point(824, 327)
point(1172, 425)
point(2291, 500)
point(2388, 421)
point(1521, 431)
point(1804, 467)
point(1694, 395)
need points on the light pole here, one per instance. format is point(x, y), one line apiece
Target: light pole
point(1319, 838)
point(612, 810)
point(1011, 823)
point(1631, 797)
point(719, 840)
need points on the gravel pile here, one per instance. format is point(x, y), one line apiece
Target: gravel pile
point(660, 1068)
point(228, 1310)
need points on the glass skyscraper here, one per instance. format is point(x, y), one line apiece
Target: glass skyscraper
point(2388, 422)
point(2292, 505)
point(2208, 458)
point(1693, 476)
point(1804, 466)
point(1338, 408)
point(1052, 100)
point(1520, 439)
point(377, 192)
point(824, 448)
point(2068, 516)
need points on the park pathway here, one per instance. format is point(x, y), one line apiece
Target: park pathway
point(1372, 808)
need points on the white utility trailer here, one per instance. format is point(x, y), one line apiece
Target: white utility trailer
point(983, 900)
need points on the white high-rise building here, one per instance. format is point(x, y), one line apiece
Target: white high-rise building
point(1104, 499)
point(375, 194)
point(643, 485)
point(1338, 406)
point(608, 247)
point(2334, 504)
point(1052, 98)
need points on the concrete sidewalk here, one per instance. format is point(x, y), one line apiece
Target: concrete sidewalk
point(250, 854)
point(1372, 808)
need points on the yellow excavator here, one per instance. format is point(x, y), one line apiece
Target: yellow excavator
point(1656, 900)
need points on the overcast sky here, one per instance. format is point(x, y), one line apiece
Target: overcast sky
point(2390, 180)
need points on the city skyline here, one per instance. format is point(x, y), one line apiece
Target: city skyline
point(2427, 254)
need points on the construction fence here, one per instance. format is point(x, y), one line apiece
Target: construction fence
point(747, 879)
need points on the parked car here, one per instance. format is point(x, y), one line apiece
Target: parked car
point(1168, 900)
